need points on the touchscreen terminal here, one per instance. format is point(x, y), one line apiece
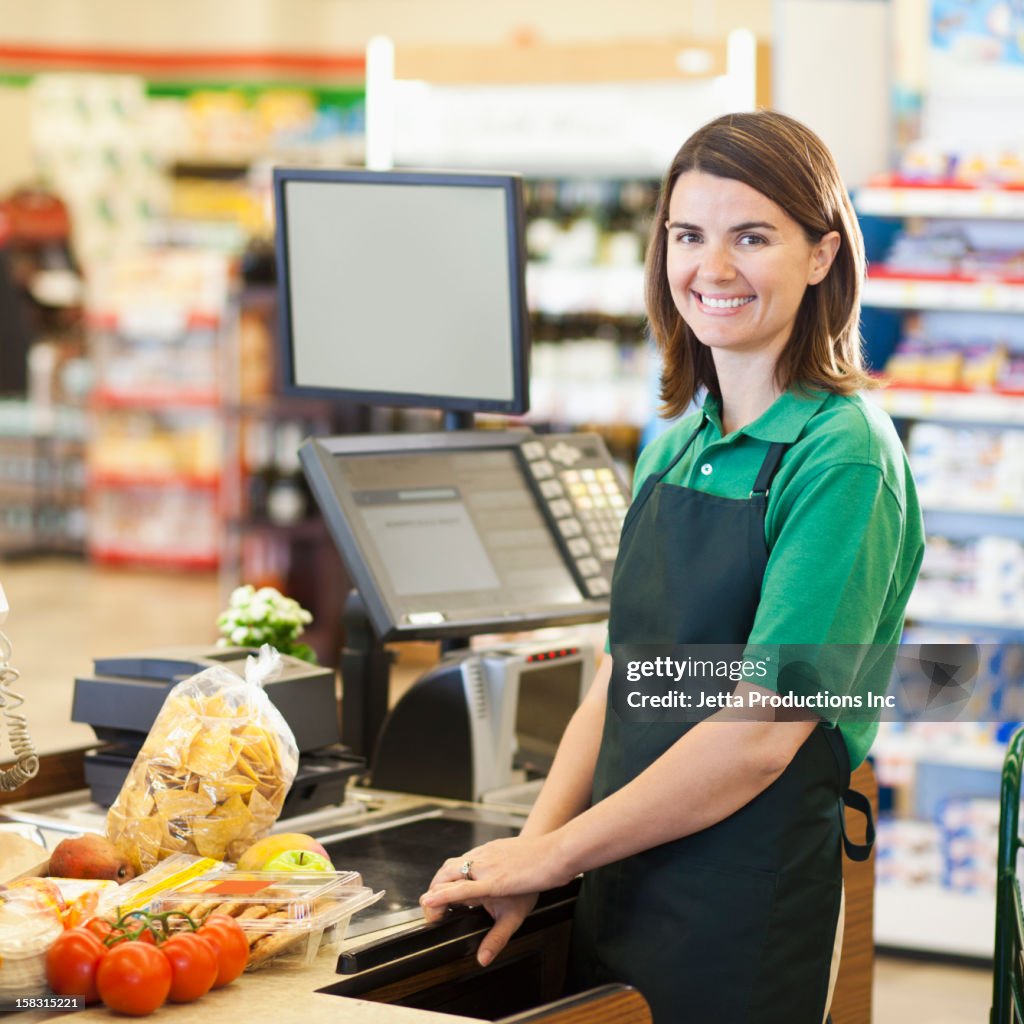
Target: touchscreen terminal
point(444, 539)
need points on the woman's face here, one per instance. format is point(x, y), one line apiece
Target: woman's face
point(738, 265)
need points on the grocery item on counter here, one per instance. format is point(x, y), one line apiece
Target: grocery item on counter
point(72, 961)
point(90, 856)
point(142, 890)
point(27, 930)
point(20, 856)
point(43, 892)
point(299, 860)
point(134, 964)
point(213, 773)
point(286, 916)
point(259, 856)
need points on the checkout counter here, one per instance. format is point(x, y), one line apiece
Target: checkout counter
point(412, 973)
point(457, 761)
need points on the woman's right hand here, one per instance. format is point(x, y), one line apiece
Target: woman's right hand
point(508, 912)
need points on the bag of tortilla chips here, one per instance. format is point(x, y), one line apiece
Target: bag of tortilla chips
point(213, 773)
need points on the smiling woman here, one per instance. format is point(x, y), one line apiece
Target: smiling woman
point(781, 513)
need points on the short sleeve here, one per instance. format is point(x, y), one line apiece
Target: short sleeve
point(830, 575)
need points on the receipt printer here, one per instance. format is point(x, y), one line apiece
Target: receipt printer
point(123, 696)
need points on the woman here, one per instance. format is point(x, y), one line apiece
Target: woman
point(781, 513)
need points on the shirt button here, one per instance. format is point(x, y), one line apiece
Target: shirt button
point(706, 469)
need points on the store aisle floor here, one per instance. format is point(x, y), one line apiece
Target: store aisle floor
point(64, 613)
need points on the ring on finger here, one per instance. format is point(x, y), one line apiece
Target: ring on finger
point(467, 870)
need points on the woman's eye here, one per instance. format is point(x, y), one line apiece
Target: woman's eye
point(686, 237)
point(749, 240)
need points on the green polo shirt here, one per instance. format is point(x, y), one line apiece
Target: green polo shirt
point(843, 525)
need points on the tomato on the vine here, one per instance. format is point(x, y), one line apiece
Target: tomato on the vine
point(194, 966)
point(72, 962)
point(99, 926)
point(232, 946)
point(134, 978)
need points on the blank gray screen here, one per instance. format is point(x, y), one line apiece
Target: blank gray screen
point(401, 288)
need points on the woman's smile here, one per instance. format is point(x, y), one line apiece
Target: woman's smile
point(722, 305)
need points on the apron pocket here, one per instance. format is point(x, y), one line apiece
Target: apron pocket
point(688, 934)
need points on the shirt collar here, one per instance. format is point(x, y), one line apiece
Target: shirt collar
point(784, 420)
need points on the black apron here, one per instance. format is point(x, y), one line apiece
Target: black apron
point(734, 924)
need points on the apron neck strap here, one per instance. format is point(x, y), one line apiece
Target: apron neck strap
point(769, 468)
point(686, 447)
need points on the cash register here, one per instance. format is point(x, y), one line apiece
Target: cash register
point(407, 289)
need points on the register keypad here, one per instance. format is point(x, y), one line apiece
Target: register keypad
point(584, 498)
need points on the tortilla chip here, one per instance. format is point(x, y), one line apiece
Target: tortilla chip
point(181, 803)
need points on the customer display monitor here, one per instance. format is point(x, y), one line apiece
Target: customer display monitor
point(403, 288)
point(458, 533)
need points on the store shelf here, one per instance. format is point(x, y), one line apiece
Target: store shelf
point(952, 405)
point(931, 919)
point(144, 478)
point(893, 289)
point(556, 290)
point(941, 200)
point(305, 529)
point(963, 524)
point(970, 503)
point(987, 756)
point(980, 617)
point(162, 559)
point(104, 398)
point(157, 323)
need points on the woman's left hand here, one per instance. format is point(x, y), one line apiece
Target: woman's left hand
point(504, 867)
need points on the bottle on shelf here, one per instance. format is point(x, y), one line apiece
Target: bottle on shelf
point(287, 495)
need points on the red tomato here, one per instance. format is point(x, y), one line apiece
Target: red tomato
point(134, 978)
point(99, 926)
point(71, 964)
point(232, 946)
point(194, 966)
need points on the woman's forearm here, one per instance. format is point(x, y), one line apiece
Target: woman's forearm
point(566, 791)
point(713, 771)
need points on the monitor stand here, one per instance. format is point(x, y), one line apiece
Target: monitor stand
point(365, 669)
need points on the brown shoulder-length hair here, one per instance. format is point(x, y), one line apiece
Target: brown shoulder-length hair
point(788, 163)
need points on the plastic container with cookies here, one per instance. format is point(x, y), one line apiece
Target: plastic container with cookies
point(286, 916)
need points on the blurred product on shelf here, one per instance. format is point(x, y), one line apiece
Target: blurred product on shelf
point(157, 324)
point(91, 142)
point(927, 162)
point(164, 526)
point(940, 779)
point(590, 380)
point(956, 852)
point(42, 370)
point(935, 362)
point(40, 292)
point(42, 485)
point(908, 852)
point(978, 580)
point(973, 467)
point(590, 362)
point(971, 249)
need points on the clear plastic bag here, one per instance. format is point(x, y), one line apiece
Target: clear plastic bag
point(213, 773)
